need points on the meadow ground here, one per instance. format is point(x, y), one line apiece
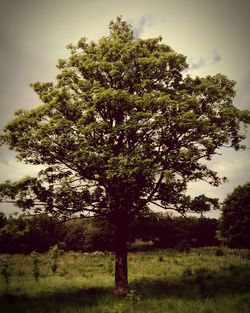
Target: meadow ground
point(161, 281)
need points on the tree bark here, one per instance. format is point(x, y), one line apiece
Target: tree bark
point(121, 266)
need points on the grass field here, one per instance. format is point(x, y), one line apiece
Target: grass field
point(160, 281)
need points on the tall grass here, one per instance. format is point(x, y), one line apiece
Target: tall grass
point(160, 281)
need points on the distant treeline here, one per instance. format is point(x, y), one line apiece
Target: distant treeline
point(38, 233)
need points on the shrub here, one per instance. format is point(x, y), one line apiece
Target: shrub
point(187, 272)
point(54, 254)
point(5, 272)
point(232, 268)
point(160, 258)
point(35, 265)
point(183, 246)
point(219, 252)
point(133, 296)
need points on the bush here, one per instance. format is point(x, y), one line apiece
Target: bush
point(5, 272)
point(187, 272)
point(183, 247)
point(35, 265)
point(219, 252)
point(160, 258)
point(54, 254)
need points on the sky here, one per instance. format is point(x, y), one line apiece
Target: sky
point(214, 35)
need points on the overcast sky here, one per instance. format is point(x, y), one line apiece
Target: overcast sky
point(214, 35)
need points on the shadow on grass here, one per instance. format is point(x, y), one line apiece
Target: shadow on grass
point(191, 285)
point(202, 283)
point(69, 301)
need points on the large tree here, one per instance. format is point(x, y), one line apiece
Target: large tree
point(120, 129)
point(235, 221)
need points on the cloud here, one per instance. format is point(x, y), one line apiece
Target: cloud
point(13, 170)
point(242, 91)
point(139, 25)
point(216, 57)
point(211, 59)
point(231, 164)
point(201, 62)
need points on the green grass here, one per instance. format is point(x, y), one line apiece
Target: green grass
point(160, 281)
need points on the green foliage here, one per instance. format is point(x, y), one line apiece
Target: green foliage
point(219, 252)
point(187, 272)
point(235, 222)
point(35, 265)
point(99, 235)
point(167, 231)
point(24, 234)
point(54, 254)
point(5, 272)
point(133, 296)
point(122, 122)
point(3, 219)
point(74, 236)
point(160, 258)
point(183, 246)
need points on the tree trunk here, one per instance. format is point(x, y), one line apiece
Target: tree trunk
point(121, 266)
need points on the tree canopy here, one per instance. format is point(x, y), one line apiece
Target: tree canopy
point(122, 128)
point(235, 221)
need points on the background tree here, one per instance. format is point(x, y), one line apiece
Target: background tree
point(235, 221)
point(120, 129)
point(24, 234)
point(205, 232)
point(3, 219)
